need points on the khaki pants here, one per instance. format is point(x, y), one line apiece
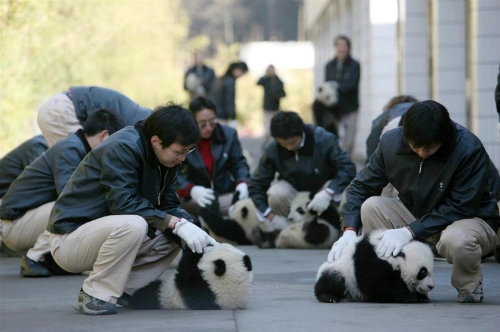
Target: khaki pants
point(347, 126)
point(57, 118)
point(462, 243)
point(28, 232)
point(117, 250)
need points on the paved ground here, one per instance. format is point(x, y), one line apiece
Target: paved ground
point(282, 300)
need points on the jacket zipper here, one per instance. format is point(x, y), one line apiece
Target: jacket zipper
point(420, 169)
point(164, 183)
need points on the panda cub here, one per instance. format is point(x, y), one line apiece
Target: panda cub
point(220, 278)
point(360, 275)
point(324, 105)
point(306, 230)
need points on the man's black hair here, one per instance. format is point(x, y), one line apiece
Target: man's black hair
point(103, 119)
point(286, 124)
point(427, 123)
point(172, 123)
point(346, 39)
point(201, 103)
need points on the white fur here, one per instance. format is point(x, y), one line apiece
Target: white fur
point(250, 221)
point(327, 93)
point(170, 297)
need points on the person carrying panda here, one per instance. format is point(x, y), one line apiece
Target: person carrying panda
point(119, 212)
point(306, 158)
point(216, 168)
point(440, 170)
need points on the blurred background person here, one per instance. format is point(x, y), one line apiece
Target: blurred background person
point(273, 92)
point(198, 78)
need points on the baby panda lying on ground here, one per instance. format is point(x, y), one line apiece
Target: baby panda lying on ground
point(220, 278)
point(305, 229)
point(360, 275)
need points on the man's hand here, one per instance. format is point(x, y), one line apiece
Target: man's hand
point(243, 189)
point(202, 196)
point(392, 241)
point(320, 202)
point(348, 237)
point(196, 239)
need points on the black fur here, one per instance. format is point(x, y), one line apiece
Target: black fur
point(194, 289)
point(226, 228)
point(147, 297)
point(264, 240)
point(376, 278)
point(315, 233)
point(330, 287)
point(318, 112)
point(496, 252)
point(220, 267)
point(247, 262)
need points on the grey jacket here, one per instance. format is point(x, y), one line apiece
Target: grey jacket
point(14, 162)
point(230, 166)
point(120, 176)
point(320, 159)
point(87, 99)
point(450, 185)
point(44, 179)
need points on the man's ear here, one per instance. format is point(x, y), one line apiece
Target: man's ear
point(155, 140)
point(103, 135)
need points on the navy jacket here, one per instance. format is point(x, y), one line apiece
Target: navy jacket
point(307, 169)
point(44, 179)
point(207, 76)
point(230, 166)
point(120, 176)
point(87, 99)
point(348, 81)
point(450, 185)
point(14, 162)
point(273, 92)
point(223, 94)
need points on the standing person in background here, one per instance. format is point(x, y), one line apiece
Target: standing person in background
point(216, 167)
point(223, 93)
point(273, 92)
point(344, 70)
point(198, 78)
point(67, 111)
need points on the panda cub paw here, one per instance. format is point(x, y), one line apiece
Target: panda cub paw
point(422, 298)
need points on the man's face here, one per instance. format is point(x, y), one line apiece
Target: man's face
point(171, 155)
point(341, 49)
point(291, 143)
point(426, 151)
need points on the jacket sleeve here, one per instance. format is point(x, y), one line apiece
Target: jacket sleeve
point(171, 204)
point(374, 136)
point(260, 181)
point(229, 100)
point(368, 182)
point(239, 165)
point(33, 151)
point(338, 158)
point(351, 84)
point(64, 164)
point(328, 71)
point(464, 198)
point(120, 180)
point(260, 81)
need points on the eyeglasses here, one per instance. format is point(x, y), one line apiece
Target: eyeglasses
point(210, 123)
point(180, 155)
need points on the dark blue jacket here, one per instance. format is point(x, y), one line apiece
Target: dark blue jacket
point(44, 179)
point(450, 185)
point(273, 92)
point(307, 169)
point(207, 76)
point(87, 99)
point(348, 80)
point(120, 176)
point(14, 162)
point(223, 94)
point(230, 166)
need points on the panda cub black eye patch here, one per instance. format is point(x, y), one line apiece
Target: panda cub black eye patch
point(301, 210)
point(422, 273)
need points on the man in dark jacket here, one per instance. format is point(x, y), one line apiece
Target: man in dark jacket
point(198, 79)
point(14, 162)
point(306, 158)
point(25, 209)
point(273, 92)
point(441, 172)
point(67, 111)
point(344, 70)
point(118, 211)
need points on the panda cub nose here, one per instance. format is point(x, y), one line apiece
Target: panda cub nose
point(431, 286)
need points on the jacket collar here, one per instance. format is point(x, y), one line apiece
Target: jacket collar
point(218, 135)
point(150, 154)
point(81, 135)
point(306, 150)
point(444, 151)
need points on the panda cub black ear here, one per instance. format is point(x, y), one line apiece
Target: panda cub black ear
point(220, 267)
point(247, 262)
point(320, 89)
point(401, 254)
point(311, 196)
point(244, 212)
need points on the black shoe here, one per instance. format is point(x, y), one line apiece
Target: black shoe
point(54, 269)
point(32, 269)
point(90, 305)
point(124, 300)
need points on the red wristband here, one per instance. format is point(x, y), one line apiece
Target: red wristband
point(349, 228)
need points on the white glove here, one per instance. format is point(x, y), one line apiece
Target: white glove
point(348, 237)
point(392, 241)
point(202, 196)
point(243, 189)
point(195, 237)
point(279, 222)
point(320, 202)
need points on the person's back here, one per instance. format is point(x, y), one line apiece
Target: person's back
point(14, 162)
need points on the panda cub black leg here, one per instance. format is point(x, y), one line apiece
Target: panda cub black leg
point(147, 297)
point(330, 287)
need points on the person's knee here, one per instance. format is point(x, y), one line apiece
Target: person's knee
point(456, 241)
point(133, 226)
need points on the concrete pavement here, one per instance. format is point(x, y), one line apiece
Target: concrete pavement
point(282, 299)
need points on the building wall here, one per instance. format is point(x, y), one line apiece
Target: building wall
point(446, 50)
